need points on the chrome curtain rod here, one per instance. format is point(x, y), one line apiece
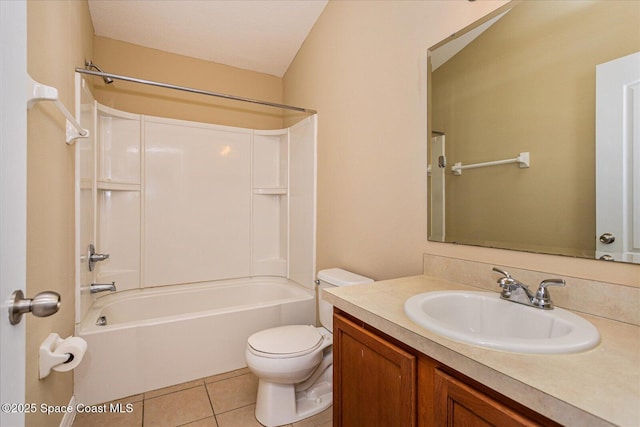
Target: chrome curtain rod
point(192, 90)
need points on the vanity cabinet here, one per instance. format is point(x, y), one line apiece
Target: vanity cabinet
point(379, 381)
point(451, 399)
point(374, 379)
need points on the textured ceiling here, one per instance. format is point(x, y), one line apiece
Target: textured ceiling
point(257, 35)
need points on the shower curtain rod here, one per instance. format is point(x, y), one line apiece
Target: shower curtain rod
point(192, 90)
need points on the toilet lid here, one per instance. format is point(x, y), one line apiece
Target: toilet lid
point(286, 339)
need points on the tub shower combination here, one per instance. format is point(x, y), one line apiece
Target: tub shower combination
point(168, 335)
point(210, 232)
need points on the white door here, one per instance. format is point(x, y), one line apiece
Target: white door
point(13, 203)
point(618, 159)
point(437, 168)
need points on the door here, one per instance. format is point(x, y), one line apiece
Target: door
point(459, 405)
point(13, 203)
point(437, 167)
point(618, 159)
point(374, 380)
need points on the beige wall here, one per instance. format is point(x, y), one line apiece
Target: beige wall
point(497, 98)
point(59, 37)
point(363, 67)
point(151, 64)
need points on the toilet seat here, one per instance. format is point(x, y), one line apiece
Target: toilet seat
point(285, 341)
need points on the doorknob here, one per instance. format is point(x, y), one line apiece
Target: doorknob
point(607, 238)
point(42, 305)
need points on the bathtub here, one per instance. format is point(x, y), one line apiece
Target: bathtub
point(157, 337)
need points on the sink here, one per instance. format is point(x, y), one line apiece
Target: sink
point(483, 319)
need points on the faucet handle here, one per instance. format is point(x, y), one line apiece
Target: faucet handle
point(505, 282)
point(552, 282)
point(504, 273)
point(543, 298)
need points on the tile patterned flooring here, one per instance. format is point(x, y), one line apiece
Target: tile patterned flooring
point(225, 400)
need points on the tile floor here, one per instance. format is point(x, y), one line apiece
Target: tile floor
point(225, 400)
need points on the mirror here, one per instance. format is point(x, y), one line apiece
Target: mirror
point(512, 102)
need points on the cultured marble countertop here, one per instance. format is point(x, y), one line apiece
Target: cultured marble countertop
point(599, 387)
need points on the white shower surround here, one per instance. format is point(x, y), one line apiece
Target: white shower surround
point(214, 202)
point(183, 207)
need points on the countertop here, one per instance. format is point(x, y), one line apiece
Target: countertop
point(599, 387)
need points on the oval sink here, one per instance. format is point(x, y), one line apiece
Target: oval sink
point(483, 319)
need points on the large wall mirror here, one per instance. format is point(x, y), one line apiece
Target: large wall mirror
point(534, 123)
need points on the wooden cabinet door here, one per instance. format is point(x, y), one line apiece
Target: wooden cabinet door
point(374, 380)
point(459, 405)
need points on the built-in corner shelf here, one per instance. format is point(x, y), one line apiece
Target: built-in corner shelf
point(270, 191)
point(117, 186)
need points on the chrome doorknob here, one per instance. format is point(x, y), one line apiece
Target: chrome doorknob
point(42, 305)
point(607, 238)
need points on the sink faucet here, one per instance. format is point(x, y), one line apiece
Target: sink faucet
point(516, 291)
point(102, 287)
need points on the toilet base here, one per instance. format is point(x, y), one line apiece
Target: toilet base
point(280, 404)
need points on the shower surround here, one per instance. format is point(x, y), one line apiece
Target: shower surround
point(179, 206)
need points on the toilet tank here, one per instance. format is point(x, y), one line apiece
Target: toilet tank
point(330, 278)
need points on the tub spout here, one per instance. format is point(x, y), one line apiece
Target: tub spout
point(102, 287)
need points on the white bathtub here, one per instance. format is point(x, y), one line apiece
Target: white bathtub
point(162, 336)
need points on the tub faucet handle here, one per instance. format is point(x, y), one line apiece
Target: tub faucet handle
point(94, 257)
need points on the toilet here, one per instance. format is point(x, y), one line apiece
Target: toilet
point(294, 363)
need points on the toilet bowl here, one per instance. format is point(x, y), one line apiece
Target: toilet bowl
point(294, 363)
point(287, 354)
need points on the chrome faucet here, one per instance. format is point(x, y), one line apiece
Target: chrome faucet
point(516, 291)
point(102, 287)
